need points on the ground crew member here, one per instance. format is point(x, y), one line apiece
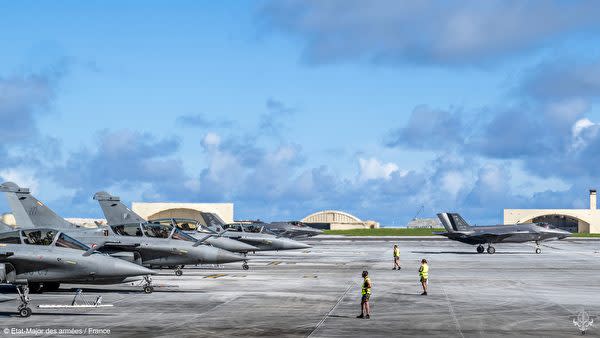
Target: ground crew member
point(365, 311)
point(396, 257)
point(424, 275)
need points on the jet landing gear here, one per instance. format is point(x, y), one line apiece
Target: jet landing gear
point(23, 308)
point(245, 265)
point(148, 288)
point(537, 248)
point(480, 248)
point(491, 250)
point(178, 271)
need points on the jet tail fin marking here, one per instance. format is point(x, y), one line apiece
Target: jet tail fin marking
point(453, 222)
point(115, 211)
point(29, 212)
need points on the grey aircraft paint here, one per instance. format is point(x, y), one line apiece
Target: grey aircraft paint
point(291, 230)
point(263, 241)
point(117, 213)
point(143, 244)
point(459, 230)
point(42, 259)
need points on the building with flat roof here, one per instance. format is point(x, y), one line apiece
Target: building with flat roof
point(574, 220)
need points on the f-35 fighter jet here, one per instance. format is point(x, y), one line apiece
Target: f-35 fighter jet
point(458, 229)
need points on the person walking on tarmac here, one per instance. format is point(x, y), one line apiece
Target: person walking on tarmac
point(396, 257)
point(365, 311)
point(424, 275)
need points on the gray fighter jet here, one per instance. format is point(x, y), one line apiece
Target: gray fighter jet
point(41, 259)
point(151, 245)
point(117, 213)
point(459, 230)
point(263, 241)
point(293, 229)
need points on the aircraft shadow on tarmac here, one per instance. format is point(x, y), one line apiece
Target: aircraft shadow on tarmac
point(471, 253)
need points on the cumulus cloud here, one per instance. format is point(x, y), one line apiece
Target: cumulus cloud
point(373, 169)
point(428, 32)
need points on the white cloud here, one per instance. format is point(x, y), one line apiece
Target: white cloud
point(23, 177)
point(578, 130)
point(373, 169)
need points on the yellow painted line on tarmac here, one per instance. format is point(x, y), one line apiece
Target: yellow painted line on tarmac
point(310, 276)
point(274, 263)
point(217, 275)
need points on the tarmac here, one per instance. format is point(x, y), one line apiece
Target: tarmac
point(316, 293)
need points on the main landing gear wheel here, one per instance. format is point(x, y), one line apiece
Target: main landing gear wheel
point(480, 249)
point(245, 266)
point(23, 309)
point(178, 272)
point(491, 250)
point(538, 250)
point(25, 312)
point(148, 288)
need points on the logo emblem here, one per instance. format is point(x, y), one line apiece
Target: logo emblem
point(583, 321)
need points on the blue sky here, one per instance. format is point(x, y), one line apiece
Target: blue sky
point(288, 107)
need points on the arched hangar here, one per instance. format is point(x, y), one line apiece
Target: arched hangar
point(574, 220)
point(337, 220)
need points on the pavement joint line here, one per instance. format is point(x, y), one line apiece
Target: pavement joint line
point(331, 310)
point(452, 313)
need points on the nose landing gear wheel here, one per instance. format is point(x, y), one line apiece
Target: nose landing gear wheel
point(480, 249)
point(245, 266)
point(491, 250)
point(148, 289)
point(178, 272)
point(538, 250)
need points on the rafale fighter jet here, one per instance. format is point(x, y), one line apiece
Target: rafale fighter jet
point(459, 230)
point(41, 259)
point(263, 241)
point(117, 213)
point(151, 245)
point(293, 229)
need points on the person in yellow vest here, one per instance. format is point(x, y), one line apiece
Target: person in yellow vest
point(396, 257)
point(365, 311)
point(424, 275)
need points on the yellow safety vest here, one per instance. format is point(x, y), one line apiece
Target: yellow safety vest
point(424, 271)
point(366, 290)
point(396, 252)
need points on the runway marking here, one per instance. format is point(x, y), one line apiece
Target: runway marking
point(332, 309)
point(452, 313)
point(217, 275)
point(274, 263)
point(310, 276)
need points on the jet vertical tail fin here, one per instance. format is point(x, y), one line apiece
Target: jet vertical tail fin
point(31, 213)
point(213, 221)
point(453, 222)
point(115, 211)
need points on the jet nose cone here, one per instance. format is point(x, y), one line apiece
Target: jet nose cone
point(294, 245)
point(224, 256)
point(127, 269)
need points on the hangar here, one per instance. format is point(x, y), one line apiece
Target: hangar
point(574, 220)
point(337, 220)
point(151, 211)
